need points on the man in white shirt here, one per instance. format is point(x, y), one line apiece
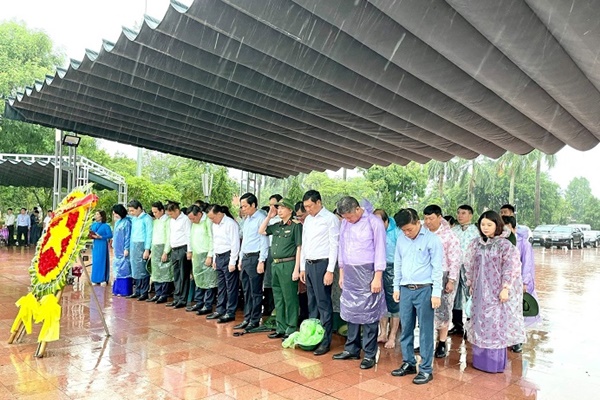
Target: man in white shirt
point(226, 248)
point(318, 259)
point(47, 219)
point(9, 221)
point(181, 254)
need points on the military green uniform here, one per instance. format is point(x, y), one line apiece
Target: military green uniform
point(286, 239)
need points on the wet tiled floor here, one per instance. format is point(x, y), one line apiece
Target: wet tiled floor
point(155, 352)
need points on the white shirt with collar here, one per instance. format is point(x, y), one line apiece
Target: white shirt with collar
point(179, 232)
point(320, 237)
point(226, 237)
point(10, 219)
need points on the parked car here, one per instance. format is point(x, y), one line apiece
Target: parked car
point(591, 238)
point(540, 233)
point(563, 235)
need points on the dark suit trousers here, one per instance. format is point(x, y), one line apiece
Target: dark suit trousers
point(319, 297)
point(182, 268)
point(227, 283)
point(11, 235)
point(252, 283)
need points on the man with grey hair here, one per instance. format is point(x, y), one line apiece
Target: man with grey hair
point(361, 258)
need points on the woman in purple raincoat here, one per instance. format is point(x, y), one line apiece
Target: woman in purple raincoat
point(493, 271)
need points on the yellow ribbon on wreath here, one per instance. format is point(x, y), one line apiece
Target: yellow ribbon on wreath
point(28, 308)
point(49, 313)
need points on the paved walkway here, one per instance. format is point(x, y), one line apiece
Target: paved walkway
point(158, 353)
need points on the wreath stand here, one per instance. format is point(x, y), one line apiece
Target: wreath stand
point(41, 349)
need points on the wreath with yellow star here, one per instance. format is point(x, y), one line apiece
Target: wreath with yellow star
point(56, 252)
point(62, 241)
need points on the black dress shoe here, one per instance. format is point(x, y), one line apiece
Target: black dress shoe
point(179, 305)
point(321, 350)
point(204, 311)
point(152, 299)
point(214, 315)
point(276, 335)
point(226, 318)
point(405, 369)
point(143, 297)
point(251, 325)
point(345, 355)
point(161, 300)
point(197, 307)
point(517, 348)
point(133, 296)
point(241, 325)
point(440, 350)
point(367, 363)
point(422, 378)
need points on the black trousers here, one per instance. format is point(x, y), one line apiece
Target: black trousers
point(142, 286)
point(368, 342)
point(182, 268)
point(11, 235)
point(162, 289)
point(22, 235)
point(204, 297)
point(228, 284)
point(319, 297)
point(252, 283)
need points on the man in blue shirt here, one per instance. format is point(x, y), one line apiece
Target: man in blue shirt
point(418, 281)
point(253, 254)
point(141, 243)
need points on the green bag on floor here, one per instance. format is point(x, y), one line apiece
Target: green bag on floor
point(309, 336)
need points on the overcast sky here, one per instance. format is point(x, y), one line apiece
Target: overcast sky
point(75, 25)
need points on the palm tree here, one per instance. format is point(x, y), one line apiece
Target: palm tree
point(512, 165)
point(442, 172)
point(550, 161)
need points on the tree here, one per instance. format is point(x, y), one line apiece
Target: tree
point(512, 165)
point(294, 191)
point(550, 161)
point(397, 186)
point(579, 197)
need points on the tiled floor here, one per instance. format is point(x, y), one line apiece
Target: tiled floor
point(158, 353)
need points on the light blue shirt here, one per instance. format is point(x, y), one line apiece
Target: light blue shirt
point(253, 241)
point(391, 238)
point(141, 230)
point(419, 261)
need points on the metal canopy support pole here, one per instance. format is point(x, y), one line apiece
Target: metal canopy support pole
point(56, 191)
point(122, 193)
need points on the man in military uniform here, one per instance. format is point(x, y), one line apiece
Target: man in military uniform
point(285, 248)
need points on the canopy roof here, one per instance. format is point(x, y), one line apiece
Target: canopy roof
point(38, 171)
point(279, 87)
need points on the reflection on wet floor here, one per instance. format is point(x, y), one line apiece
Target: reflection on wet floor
point(159, 353)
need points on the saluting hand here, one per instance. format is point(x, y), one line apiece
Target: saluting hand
point(272, 212)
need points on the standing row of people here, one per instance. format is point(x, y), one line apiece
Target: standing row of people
point(398, 275)
point(27, 227)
